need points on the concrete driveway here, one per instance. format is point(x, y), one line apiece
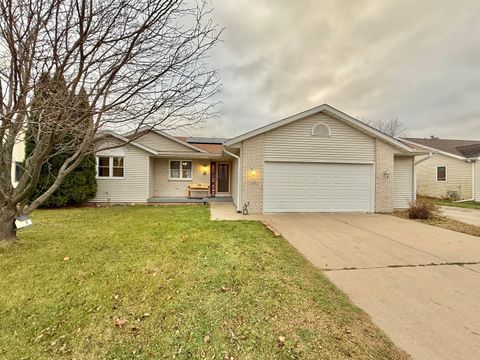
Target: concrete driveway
point(468, 216)
point(419, 283)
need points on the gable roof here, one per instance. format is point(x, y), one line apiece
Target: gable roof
point(138, 134)
point(330, 110)
point(465, 149)
point(107, 133)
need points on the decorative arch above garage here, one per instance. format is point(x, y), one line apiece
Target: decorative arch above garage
point(321, 130)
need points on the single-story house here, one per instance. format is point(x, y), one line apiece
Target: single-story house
point(320, 160)
point(451, 170)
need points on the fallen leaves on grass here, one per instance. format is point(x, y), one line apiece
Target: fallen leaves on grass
point(120, 322)
point(134, 329)
point(446, 223)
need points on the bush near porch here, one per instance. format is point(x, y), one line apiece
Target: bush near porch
point(148, 283)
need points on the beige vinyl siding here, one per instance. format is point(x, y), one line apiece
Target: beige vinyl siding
point(294, 142)
point(403, 182)
point(459, 177)
point(234, 181)
point(161, 143)
point(133, 187)
point(151, 177)
point(164, 187)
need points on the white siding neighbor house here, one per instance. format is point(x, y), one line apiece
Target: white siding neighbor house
point(451, 170)
point(320, 160)
point(18, 157)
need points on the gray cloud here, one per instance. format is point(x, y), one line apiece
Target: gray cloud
point(415, 61)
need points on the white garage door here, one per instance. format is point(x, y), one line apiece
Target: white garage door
point(309, 187)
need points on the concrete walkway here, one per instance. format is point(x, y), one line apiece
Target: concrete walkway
point(419, 283)
point(467, 216)
point(225, 211)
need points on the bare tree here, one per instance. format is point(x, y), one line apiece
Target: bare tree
point(392, 127)
point(141, 64)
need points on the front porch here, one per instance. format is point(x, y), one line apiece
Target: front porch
point(185, 180)
point(185, 200)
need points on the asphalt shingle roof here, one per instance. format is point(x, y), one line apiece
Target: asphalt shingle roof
point(464, 148)
point(205, 140)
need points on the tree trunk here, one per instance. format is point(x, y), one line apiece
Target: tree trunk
point(7, 224)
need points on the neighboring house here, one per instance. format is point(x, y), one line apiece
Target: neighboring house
point(451, 170)
point(18, 157)
point(320, 160)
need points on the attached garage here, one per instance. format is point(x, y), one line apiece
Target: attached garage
point(318, 187)
point(322, 160)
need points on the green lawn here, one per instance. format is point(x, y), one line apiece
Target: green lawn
point(186, 287)
point(466, 204)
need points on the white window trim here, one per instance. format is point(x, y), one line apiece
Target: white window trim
point(110, 167)
point(446, 173)
point(181, 168)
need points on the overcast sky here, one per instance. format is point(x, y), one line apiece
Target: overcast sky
point(418, 61)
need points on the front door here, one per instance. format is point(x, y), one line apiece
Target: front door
point(223, 178)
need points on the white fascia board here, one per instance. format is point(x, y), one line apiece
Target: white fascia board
point(186, 155)
point(357, 124)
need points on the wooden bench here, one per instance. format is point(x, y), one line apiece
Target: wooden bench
point(194, 189)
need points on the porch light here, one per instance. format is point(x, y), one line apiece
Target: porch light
point(204, 169)
point(253, 171)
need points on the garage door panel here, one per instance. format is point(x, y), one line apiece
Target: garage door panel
point(313, 187)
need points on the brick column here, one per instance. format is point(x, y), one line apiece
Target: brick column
point(252, 170)
point(384, 182)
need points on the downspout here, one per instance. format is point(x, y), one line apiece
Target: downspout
point(239, 176)
point(429, 156)
point(475, 180)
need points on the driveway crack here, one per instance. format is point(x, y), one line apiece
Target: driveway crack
point(462, 264)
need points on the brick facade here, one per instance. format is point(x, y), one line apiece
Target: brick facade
point(384, 181)
point(252, 170)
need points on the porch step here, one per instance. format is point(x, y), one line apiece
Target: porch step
point(188, 201)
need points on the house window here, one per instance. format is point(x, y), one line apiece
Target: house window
point(441, 173)
point(110, 167)
point(181, 170)
point(103, 166)
point(117, 166)
point(18, 171)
